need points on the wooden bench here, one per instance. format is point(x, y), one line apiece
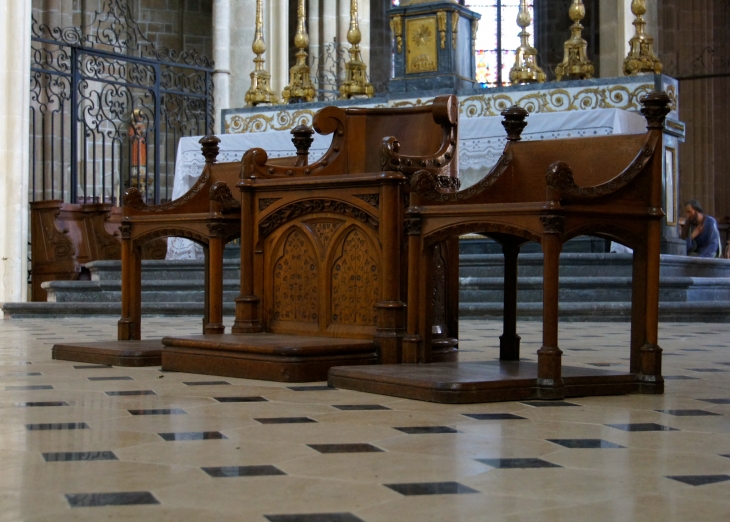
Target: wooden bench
point(547, 192)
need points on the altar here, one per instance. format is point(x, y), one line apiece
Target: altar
point(595, 107)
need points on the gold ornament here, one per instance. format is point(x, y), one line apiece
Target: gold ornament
point(525, 69)
point(641, 57)
point(575, 62)
point(441, 18)
point(260, 91)
point(300, 86)
point(356, 81)
point(396, 25)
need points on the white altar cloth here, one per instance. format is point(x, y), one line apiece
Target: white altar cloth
point(481, 141)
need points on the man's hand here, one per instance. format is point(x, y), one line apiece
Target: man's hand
point(698, 230)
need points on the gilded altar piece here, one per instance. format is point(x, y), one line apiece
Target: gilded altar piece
point(260, 91)
point(300, 86)
point(575, 64)
point(356, 78)
point(641, 57)
point(525, 69)
point(421, 52)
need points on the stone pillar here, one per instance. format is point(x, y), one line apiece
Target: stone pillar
point(222, 57)
point(276, 22)
point(313, 20)
point(242, 29)
point(15, 21)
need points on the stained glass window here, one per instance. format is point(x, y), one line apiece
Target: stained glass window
point(497, 39)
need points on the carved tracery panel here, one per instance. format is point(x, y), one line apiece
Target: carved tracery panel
point(355, 282)
point(296, 296)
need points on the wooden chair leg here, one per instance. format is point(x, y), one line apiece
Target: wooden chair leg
point(412, 341)
point(638, 308)
point(214, 282)
point(651, 353)
point(549, 375)
point(129, 326)
point(509, 341)
point(425, 308)
point(247, 303)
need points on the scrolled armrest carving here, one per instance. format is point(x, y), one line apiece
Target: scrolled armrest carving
point(220, 192)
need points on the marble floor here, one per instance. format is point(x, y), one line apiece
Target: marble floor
point(84, 442)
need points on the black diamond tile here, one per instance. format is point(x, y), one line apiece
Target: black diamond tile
point(727, 456)
point(546, 404)
point(431, 488)
point(602, 364)
point(689, 413)
point(28, 388)
point(164, 411)
point(118, 378)
point(679, 378)
point(360, 407)
point(92, 366)
point(58, 426)
point(694, 349)
point(641, 426)
point(14, 363)
point(79, 455)
point(285, 420)
point(585, 443)
point(699, 480)
point(129, 393)
point(40, 404)
point(243, 471)
point(133, 498)
point(708, 370)
point(422, 430)
point(581, 349)
point(518, 463)
point(314, 517)
point(716, 401)
point(193, 435)
point(492, 416)
point(311, 388)
point(207, 383)
point(240, 399)
point(345, 448)
point(22, 374)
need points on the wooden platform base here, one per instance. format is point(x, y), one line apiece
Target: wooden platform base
point(269, 357)
point(114, 353)
point(474, 382)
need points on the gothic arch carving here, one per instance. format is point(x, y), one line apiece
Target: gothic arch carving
point(477, 227)
point(295, 278)
point(615, 232)
point(172, 232)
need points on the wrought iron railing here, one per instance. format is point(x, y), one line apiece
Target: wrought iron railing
point(108, 108)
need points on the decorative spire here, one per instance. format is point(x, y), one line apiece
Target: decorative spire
point(300, 86)
point(525, 69)
point(575, 62)
point(641, 56)
point(356, 81)
point(260, 91)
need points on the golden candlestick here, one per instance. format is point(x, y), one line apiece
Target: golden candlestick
point(575, 62)
point(300, 86)
point(525, 69)
point(356, 81)
point(641, 57)
point(260, 91)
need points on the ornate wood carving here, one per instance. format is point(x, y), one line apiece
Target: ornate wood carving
point(133, 197)
point(311, 206)
point(553, 224)
point(355, 282)
point(514, 122)
point(264, 203)
point(210, 148)
point(412, 226)
point(325, 230)
point(371, 199)
point(296, 295)
point(107, 245)
point(221, 193)
point(170, 232)
point(655, 106)
point(560, 176)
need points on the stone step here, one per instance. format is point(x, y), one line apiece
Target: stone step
point(160, 291)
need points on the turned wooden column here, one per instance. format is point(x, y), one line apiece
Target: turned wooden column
point(549, 376)
point(638, 307)
point(390, 331)
point(129, 327)
point(247, 304)
point(651, 354)
point(214, 280)
point(509, 341)
point(412, 341)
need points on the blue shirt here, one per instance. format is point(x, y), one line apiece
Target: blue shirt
point(707, 244)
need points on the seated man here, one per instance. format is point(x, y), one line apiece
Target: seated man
point(701, 232)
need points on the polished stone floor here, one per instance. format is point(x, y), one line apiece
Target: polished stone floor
point(83, 442)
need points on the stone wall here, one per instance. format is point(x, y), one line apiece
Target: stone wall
point(693, 46)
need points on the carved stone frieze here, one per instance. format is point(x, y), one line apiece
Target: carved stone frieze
point(311, 206)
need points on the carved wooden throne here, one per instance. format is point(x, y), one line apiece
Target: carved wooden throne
point(548, 192)
point(322, 282)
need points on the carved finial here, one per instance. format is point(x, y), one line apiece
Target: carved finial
point(300, 86)
point(260, 91)
point(575, 62)
point(655, 107)
point(210, 148)
point(641, 57)
point(525, 69)
point(356, 82)
point(514, 122)
point(302, 140)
